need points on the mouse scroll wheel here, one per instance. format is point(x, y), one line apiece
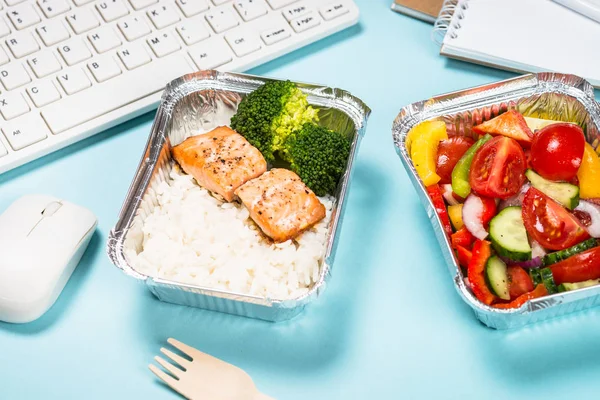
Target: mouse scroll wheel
point(51, 209)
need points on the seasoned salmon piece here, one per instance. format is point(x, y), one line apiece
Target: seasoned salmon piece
point(281, 204)
point(221, 160)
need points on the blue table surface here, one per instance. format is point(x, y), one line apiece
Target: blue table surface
point(390, 324)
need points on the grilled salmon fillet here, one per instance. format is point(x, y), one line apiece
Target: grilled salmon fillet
point(221, 160)
point(281, 204)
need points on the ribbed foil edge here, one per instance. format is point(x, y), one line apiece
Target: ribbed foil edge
point(156, 152)
point(545, 95)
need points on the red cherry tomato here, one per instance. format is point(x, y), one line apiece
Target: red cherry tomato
point(449, 152)
point(498, 168)
point(557, 150)
point(549, 224)
point(519, 281)
point(578, 268)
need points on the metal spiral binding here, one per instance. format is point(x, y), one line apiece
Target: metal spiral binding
point(448, 21)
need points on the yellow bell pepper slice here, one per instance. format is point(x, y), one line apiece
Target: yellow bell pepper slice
point(455, 214)
point(589, 174)
point(422, 142)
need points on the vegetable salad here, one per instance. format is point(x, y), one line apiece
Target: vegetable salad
point(520, 204)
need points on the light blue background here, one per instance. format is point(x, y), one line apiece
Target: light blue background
point(390, 325)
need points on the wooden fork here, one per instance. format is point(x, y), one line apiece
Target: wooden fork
point(205, 377)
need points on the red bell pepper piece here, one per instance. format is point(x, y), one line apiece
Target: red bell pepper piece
point(476, 272)
point(463, 238)
point(435, 193)
point(580, 267)
point(464, 256)
point(539, 291)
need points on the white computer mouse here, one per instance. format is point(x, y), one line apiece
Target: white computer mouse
point(42, 240)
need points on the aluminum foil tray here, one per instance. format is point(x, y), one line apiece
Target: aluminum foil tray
point(195, 104)
point(543, 95)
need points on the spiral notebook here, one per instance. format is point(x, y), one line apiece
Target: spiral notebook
point(521, 35)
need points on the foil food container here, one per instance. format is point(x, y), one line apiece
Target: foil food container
point(195, 104)
point(544, 95)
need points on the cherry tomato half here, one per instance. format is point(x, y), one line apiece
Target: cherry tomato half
point(449, 152)
point(578, 268)
point(498, 168)
point(519, 281)
point(549, 223)
point(557, 150)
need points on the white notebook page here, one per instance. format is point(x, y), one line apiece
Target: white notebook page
point(527, 35)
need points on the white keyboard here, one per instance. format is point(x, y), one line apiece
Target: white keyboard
point(73, 68)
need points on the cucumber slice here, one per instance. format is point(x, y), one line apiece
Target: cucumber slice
point(509, 236)
point(559, 256)
point(564, 193)
point(565, 287)
point(548, 280)
point(536, 277)
point(535, 124)
point(497, 278)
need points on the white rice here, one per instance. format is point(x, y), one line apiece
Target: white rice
point(191, 237)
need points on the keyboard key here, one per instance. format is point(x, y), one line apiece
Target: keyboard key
point(82, 107)
point(23, 16)
point(13, 75)
point(134, 28)
point(74, 80)
point(82, 20)
point(3, 150)
point(333, 10)
point(221, 20)
point(44, 64)
point(52, 8)
point(296, 10)
point(43, 93)
point(163, 44)
point(189, 8)
point(139, 4)
point(104, 68)
point(250, 9)
point(104, 39)
point(243, 42)
point(112, 9)
point(306, 22)
point(22, 44)
point(4, 29)
point(53, 32)
point(211, 53)
point(3, 57)
point(134, 55)
point(163, 16)
point(275, 35)
point(74, 51)
point(13, 2)
point(192, 31)
point(12, 105)
point(25, 131)
point(277, 4)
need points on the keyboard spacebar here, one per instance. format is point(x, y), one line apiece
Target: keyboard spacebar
point(113, 94)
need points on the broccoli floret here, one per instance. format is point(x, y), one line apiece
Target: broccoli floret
point(269, 114)
point(318, 155)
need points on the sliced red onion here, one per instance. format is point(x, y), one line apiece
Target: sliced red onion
point(537, 250)
point(535, 262)
point(516, 200)
point(594, 212)
point(472, 212)
point(448, 195)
